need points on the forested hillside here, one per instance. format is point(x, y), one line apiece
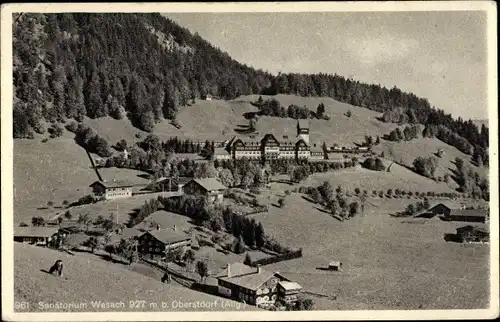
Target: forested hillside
point(144, 66)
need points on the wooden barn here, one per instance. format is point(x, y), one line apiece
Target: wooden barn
point(473, 234)
point(208, 187)
point(42, 236)
point(256, 286)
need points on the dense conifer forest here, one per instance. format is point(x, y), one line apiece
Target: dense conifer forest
point(145, 66)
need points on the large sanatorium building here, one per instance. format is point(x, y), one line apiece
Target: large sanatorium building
point(270, 148)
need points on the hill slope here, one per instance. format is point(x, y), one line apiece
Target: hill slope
point(56, 170)
point(63, 169)
point(87, 280)
point(219, 120)
point(85, 64)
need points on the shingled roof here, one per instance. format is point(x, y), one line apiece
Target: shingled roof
point(210, 184)
point(246, 276)
point(114, 184)
point(168, 236)
point(220, 151)
point(469, 212)
point(35, 231)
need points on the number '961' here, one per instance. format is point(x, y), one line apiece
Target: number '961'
point(21, 305)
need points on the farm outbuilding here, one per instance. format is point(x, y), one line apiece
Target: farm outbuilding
point(209, 187)
point(335, 266)
point(42, 236)
point(473, 234)
point(113, 189)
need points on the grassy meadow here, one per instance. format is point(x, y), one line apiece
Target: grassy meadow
point(388, 264)
point(89, 279)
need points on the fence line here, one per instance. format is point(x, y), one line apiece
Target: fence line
point(278, 258)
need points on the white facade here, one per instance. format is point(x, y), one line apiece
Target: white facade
point(286, 155)
point(304, 154)
point(222, 157)
point(120, 192)
point(304, 137)
point(239, 154)
point(318, 156)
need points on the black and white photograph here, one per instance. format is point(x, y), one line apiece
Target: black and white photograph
point(244, 161)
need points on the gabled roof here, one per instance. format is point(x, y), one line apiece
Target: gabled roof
point(481, 228)
point(269, 137)
point(447, 204)
point(290, 286)
point(35, 231)
point(301, 141)
point(209, 184)
point(468, 212)
point(318, 149)
point(247, 141)
point(220, 151)
point(114, 184)
point(246, 276)
point(168, 236)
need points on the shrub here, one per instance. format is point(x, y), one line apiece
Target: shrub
point(247, 260)
point(425, 166)
point(44, 140)
point(216, 238)
point(72, 126)
point(37, 221)
point(375, 164)
point(281, 202)
point(55, 131)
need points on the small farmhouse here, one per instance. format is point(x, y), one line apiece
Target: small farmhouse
point(113, 189)
point(42, 236)
point(454, 213)
point(208, 187)
point(255, 286)
point(156, 243)
point(473, 234)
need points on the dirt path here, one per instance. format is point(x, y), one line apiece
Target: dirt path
point(94, 166)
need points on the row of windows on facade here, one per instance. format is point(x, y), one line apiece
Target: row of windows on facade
point(275, 153)
point(118, 189)
point(250, 148)
point(151, 249)
point(119, 194)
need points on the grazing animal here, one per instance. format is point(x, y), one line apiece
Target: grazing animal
point(166, 278)
point(57, 268)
